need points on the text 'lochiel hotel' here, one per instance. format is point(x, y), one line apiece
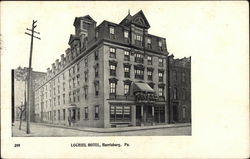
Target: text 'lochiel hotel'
point(115, 75)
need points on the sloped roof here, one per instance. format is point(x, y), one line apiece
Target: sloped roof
point(133, 19)
point(86, 17)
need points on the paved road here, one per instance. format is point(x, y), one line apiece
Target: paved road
point(45, 131)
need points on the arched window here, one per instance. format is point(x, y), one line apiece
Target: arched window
point(175, 93)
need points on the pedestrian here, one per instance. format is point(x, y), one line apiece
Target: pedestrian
point(69, 120)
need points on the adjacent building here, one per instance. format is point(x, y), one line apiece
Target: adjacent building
point(111, 75)
point(180, 89)
point(19, 87)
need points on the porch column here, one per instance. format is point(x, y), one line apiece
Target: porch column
point(153, 114)
point(133, 114)
point(142, 116)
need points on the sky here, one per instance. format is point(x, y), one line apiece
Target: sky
point(214, 34)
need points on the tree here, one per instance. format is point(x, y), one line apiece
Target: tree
point(21, 75)
point(21, 109)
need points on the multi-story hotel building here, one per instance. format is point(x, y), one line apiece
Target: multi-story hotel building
point(111, 75)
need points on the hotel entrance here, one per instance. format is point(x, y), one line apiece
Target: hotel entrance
point(144, 115)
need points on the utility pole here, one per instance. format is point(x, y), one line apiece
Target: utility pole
point(29, 74)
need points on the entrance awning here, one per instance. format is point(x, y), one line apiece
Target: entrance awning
point(143, 87)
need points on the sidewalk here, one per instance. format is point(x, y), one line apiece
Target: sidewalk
point(122, 129)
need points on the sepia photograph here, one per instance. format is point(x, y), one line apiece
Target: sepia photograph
point(123, 79)
point(113, 79)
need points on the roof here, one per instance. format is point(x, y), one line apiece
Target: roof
point(86, 17)
point(136, 19)
point(142, 87)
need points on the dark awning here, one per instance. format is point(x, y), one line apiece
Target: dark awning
point(142, 87)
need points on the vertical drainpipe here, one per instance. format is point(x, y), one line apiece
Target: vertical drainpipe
point(168, 80)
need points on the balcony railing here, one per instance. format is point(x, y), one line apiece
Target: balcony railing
point(121, 97)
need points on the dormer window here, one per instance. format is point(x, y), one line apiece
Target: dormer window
point(112, 32)
point(160, 45)
point(138, 40)
point(149, 43)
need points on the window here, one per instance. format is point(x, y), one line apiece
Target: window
point(183, 93)
point(78, 115)
point(112, 32)
point(54, 115)
point(126, 89)
point(86, 92)
point(183, 77)
point(112, 70)
point(126, 34)
point(150, 75)
point(120, 113)
point(127, 72)
point(70, 100)
point(55, 101)
point(149, 58)
point(112, 88)
point(78, 79)
point(160, 45)
point(112, 52)
point(58, 98)
point(149, 43)
point(96, 88)
point(69, 72)
point(78, 67)
point(70, 84)
point(126, 56)
point(138, 40)
point(96, 34)
point(175, 93)
point(139, 73)
point(59, 115)
point(161, 91)
point(139, 58)
point(86, 62)
point(96, 55)
point(58, 79)
point(63, 98)
point(58, 89)
point(63, 86)
point(96, 71)
point(74, 98)
point(74, 85)
point(97, 112)
point(73, 68)
point(86, 112)
point(63, 114)
point(86, 75)
point(78, 94)
point(160, 62)
point(160, 74)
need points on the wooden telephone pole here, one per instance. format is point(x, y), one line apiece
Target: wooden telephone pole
point(29, 74)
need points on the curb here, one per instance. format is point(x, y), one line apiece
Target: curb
point(113, 131)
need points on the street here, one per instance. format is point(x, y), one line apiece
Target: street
point(38, 130)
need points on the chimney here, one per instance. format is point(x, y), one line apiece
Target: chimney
point(53, 67)
point(62, 59)
point(67, 55)
point(57, 64)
